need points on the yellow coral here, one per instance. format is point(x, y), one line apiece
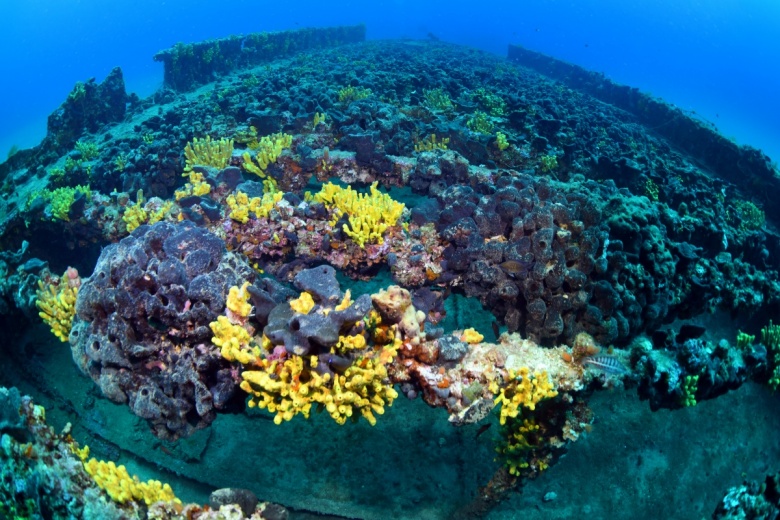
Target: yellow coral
point(523, 390)
point(518, 443)
point(57, 304)
point(471, 336)
point(303, 303)
point(269, 148)
point(62, 199)
point(238, 300)
point(430, 143)
point(347, 343)
point(135, 215)
point(346, 301)
point(369, 215)
point(145, 211)
point(233, 341)
point(206, 152)
point(195, 186)
point(241, 205)
point(122, 488)
point(81, 453)
point(278, 388)
point(290, 387)
point(362, 388)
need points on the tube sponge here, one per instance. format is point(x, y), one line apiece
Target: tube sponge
point(523, 390)
point(369, 215)
point(122, 488)
point(56, 301)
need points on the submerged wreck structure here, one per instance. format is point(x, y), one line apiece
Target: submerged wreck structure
point(303, 225)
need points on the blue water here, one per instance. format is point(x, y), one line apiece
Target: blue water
point(717, 58)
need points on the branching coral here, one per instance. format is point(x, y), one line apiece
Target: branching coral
point(518, 442)
point(518, 399)
point(319, 355)
point(291, 387)
point(230, 336)
point(238, 302)
point(369, 215)
point(196, 185)
point(63, 198)
point(233, 341)
point(480, 123)
point(241, 205)
point(122, 488)
point(523, 390)
point(205, 152)
point(438, 100)
point(430, 143)
point(56, 301)
point(349, 94)
point(770, 337)
point(269, 148)
point(501, 142)
point(145, 212)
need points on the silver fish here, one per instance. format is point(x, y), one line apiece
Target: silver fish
point(605, 363)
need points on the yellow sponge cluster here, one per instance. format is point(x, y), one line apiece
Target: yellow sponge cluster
point(278, 387)
point(122, 488)
point(471, 336)
point(234, 341)
point(369, 214)
point(195, 186)
point(241, 205)
point(206, 152)
point(139, 214)
point(238, 300)
point(290, 388)
point(518, 444)
point(57, 305)
point(363, 388)
point(523, 390)
point(349, 343)
point(269, 148)
point(303, 303)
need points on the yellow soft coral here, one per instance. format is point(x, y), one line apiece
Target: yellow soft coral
point(517, 445)
point(369, 215)
point(57, 303)
point(241, 205)
point(63, 198)
point(303, 303)
point(234, 341)
point(290, 387)
point(143, 212)
point(346, 301)
point(349, 343)
point(361, 388)
point(238, 300)
point(471, 336)
point(278, 386)
point(122, 488)
point(269, 148)
point(206, 152)
point(195, 186)
point(523, 390)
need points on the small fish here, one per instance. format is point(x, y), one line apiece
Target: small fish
point(496, 330)
point(605, 363)
point(482, 429)
point(513, 268)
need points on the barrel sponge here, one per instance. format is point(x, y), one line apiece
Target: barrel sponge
point(146, 309)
